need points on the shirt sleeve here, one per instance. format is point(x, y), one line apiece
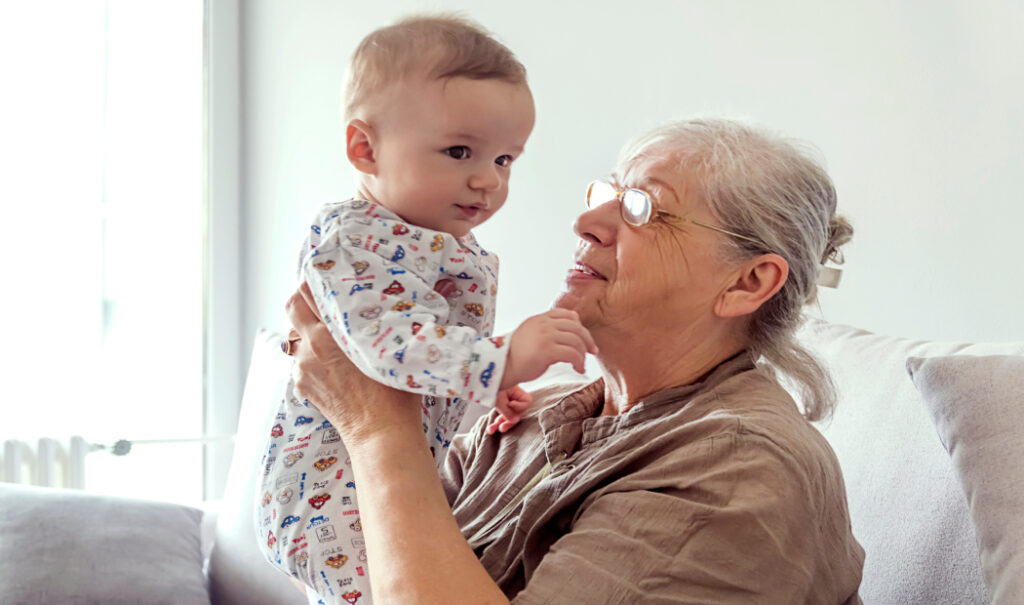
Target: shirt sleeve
point(374, 286)
point(736, 531)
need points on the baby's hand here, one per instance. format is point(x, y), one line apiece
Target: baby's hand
point(511, 403)
point(551, 337)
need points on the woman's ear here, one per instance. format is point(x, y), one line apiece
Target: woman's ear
point(759, 279)
point(360, 139)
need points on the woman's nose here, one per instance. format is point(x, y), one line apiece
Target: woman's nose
point(598, 225)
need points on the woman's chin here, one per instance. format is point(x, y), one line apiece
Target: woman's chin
point(567, 299)
point(572, 301)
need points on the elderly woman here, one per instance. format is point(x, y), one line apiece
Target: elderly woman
point(685, 473)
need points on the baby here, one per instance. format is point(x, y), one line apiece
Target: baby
point(436, 112)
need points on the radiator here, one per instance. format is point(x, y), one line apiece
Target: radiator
point(47, 462)
point(52, 462)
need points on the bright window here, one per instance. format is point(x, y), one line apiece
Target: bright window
point(101, 241)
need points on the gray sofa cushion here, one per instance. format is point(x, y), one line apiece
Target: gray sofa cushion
point(89, 549)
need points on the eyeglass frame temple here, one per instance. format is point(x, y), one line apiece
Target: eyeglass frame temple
point(828, 277)
point(712, 227)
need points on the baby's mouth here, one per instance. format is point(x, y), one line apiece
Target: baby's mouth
point(469, 211)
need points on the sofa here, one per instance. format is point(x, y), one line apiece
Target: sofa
point(928, 434)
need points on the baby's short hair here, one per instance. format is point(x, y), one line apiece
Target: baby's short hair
point(435, 46)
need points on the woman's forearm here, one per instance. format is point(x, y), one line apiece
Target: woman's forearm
point(416, 552)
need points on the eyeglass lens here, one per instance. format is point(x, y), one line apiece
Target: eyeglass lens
point(600, 193)
point(634, 204)
point(636, 207)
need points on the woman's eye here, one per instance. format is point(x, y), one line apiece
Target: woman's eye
point(664, 218)
point(459, 152)
point(504, 161)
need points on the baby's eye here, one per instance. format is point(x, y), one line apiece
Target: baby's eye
point(459, 152)
point(504, 160)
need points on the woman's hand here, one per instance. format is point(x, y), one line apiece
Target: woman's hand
point(356, 405)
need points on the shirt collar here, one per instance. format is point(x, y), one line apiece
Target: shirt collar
point(573, 423)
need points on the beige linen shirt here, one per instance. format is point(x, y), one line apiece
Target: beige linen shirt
point(715, 492)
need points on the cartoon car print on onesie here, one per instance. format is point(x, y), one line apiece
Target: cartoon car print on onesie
point(394, 288)
point(324, 463)
point(319, 500)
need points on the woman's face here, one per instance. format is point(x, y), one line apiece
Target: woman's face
point(661, 277)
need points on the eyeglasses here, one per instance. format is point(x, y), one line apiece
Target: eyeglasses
point(637, 208)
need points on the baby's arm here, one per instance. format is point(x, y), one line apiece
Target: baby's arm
point(540, 341)
point(545, 339)
point(372, 280)
point(373, 284)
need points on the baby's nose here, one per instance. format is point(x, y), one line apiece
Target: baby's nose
point(486, 179)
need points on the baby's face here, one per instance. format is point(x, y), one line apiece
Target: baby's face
point(445, 149)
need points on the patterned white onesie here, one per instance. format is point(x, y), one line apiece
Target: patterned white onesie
point(413, 309)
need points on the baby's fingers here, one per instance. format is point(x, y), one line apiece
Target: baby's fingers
point(518, 398)
point(503, 422)
point(572, 325)
point(588, 340)
point(507, 424)
point(518, 407)
point(571, 353)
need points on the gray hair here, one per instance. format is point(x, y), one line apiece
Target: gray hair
point(767, 188)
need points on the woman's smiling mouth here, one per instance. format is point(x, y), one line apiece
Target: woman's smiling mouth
point(582, 270)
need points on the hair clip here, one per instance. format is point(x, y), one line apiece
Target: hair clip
point(829, 276)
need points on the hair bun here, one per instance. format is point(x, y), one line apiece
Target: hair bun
point(840, 231)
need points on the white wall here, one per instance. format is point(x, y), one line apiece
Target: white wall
point(916, 107)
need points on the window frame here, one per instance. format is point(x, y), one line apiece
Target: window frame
point(223, 342)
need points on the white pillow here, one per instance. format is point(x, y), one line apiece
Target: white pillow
point(977, 404)
point(239, 574)
point(906, 505)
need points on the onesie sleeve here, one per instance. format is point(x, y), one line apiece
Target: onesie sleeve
point(381, 286)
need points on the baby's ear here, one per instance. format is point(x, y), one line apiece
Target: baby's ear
point(359, 141)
